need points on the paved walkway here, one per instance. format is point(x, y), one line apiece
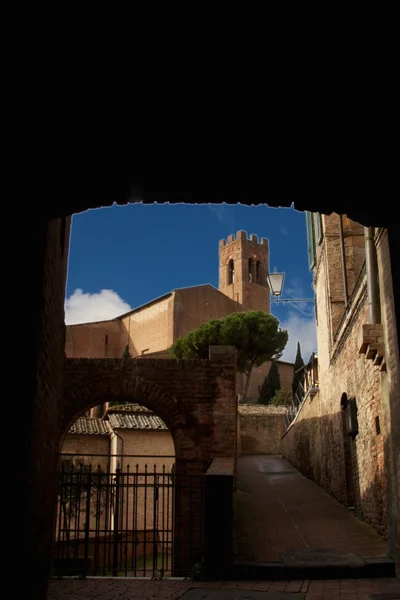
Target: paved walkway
point(279, 511)
point(136, 589)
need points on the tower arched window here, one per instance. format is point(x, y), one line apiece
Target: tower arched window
point(251, 274)
point(231, 272)
point(258, 272)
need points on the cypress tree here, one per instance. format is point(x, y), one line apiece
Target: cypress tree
point(298, 363)
point(271, 385)
point(126, 353)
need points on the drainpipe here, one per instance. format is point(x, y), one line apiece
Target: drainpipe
point(371, 265)
point(343, 257)
point(113, 466)
point(114, 438)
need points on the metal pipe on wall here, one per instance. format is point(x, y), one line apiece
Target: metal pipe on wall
point(371, 266)
point(343, 258)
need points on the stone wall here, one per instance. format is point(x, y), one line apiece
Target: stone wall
point(351, 468)
point(260, 429)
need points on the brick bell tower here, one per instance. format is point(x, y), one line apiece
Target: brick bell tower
point(243, 268)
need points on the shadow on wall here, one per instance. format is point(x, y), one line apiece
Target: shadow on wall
point(323, 450)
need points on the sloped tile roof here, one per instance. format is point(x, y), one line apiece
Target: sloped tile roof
point(132, 407)
point(131, 420)
point(90, 425)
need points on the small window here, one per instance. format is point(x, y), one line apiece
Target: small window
point(250, 270)
point(231, 272)
point(377, 426)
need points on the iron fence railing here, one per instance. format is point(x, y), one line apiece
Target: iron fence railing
point(307, 385)
point(124, 521)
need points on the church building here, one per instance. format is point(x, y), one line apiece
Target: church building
point(151, 329)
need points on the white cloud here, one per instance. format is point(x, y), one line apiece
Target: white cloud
point(82, 307)
point(300, 330)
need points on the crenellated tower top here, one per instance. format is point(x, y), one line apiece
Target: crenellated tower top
point(243, 268)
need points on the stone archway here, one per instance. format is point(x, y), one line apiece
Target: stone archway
point(92, 382)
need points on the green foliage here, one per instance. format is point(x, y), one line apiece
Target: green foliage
point(271, 385)
point(281, 398)
point(256, 335)
point(298, 363)
point(126, 353)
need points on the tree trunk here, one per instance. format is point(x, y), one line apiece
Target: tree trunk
point(247, 384)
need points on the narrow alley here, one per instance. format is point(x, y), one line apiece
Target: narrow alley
point(281, 516)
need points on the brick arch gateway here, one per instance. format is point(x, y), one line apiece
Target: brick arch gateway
point(197, 401)
point(44, 254)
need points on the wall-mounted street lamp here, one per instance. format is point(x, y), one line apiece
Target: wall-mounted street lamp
point(275, 283)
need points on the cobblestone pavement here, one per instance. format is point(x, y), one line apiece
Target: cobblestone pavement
point(141, 589)
point(278, 511)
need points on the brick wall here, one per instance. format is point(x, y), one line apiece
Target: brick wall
point(197, 401)
point(196, 305)
point(149, 329)
point(261, 429)
point(252, 295)
point(39, 429)
point(352, 469)
point(95, 340)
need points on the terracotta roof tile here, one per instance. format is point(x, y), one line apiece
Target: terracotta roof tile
point(90, 425)
point(133, 407)
point(124, 420)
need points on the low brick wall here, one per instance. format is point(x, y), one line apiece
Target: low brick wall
point(261, 428)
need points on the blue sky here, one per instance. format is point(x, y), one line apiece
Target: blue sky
point(124, 256)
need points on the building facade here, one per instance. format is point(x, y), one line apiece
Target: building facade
point(338, 437)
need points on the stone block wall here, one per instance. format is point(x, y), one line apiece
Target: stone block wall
point(260, 429)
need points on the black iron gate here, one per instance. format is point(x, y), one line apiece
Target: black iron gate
point(123, 520)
